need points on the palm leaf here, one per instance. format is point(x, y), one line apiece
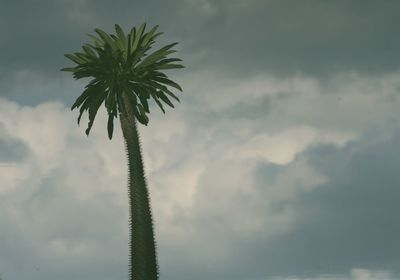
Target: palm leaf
point(93, 108)
point(168, 60)
point(112, 113)
point(155, 98)
point(167, 82)
point(137, 37)
point(106, 38)
point(91, 88)
point(98, 42)
point(164, 98)
point(68, 69)
point(157, 55)
point(75, 59)
point(89, 51)
point(169, 66)
point(163, 88)
point(148, 36)
point(120, 34)
point(142, 115)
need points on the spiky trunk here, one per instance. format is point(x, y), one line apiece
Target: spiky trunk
point(142, 247)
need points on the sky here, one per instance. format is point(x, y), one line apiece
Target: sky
point(280, 163)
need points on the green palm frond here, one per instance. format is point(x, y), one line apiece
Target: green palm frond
point(118, 63)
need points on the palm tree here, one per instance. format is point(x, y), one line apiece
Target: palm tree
point(125, 77)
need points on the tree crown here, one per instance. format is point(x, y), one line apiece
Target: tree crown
point(119, 64)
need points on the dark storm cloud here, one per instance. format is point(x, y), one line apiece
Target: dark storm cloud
point(35, 35)
point(315, 37)
point(238, 37)
point(351, 221)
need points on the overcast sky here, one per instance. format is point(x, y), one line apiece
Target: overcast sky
point(282, 161)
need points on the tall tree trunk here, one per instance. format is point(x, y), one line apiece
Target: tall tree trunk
point(142, 249)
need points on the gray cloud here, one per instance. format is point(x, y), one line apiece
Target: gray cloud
point(42, 229)
point(236, 38)
point(233, 196)
point(350, 221)
point(312, 37)
point(36, 35)
point(281, 160)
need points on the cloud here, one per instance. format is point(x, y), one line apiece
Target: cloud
point(226, 189)
point(11, 150)
point(315, 38)
point(51, 209)
point(280, 161)
point(283, 147)
point(233, 38)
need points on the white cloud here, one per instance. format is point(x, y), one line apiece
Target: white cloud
point(281, 148)
point(9, 175)
point(69, 191)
